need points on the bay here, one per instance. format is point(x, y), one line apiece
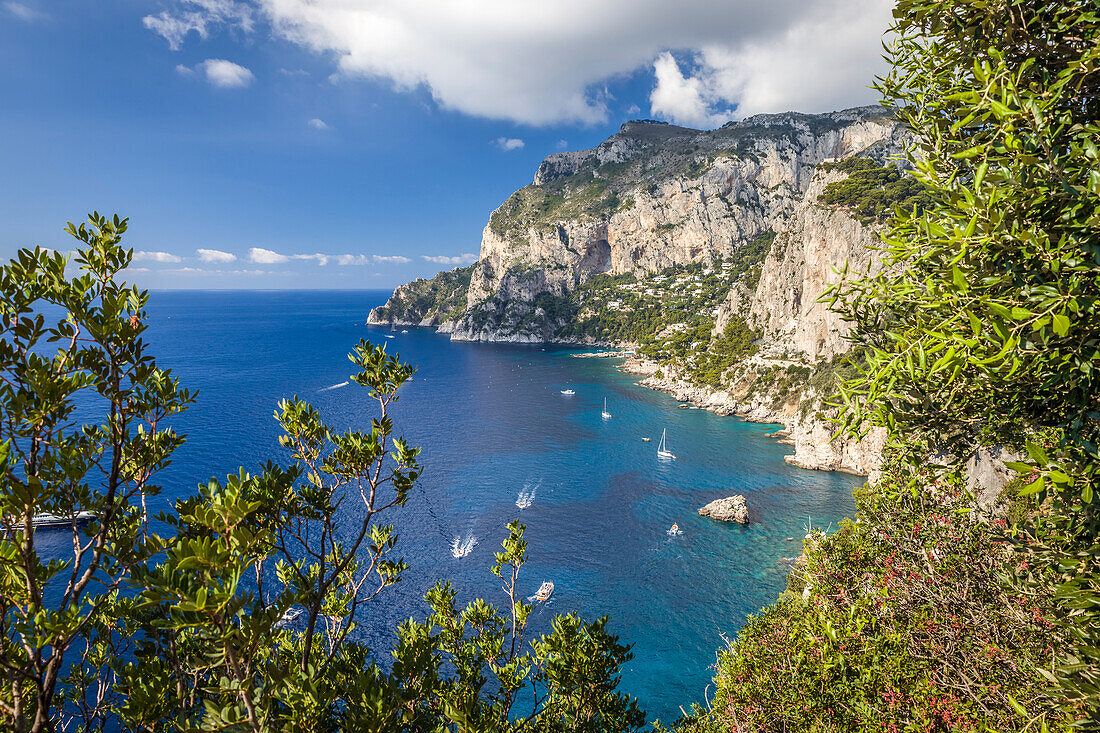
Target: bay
point(493, 425)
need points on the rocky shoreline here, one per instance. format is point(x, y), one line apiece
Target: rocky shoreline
point(816, 446)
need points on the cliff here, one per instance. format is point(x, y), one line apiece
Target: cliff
point(705, 250)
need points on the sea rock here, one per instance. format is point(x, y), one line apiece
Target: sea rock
point(730, 509)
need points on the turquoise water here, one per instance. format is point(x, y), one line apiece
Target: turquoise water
point(492, 424)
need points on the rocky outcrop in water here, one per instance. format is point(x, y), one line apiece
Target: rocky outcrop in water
point(729, 509)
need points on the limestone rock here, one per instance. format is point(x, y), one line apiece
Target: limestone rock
point(730, 509)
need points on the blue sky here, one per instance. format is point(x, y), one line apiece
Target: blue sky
point(285, 143)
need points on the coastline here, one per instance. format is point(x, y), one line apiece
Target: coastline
point(817, 446)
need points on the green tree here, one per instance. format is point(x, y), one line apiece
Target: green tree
point(191, 630)
point(985, 329)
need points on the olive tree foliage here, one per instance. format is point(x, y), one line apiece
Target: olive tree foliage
point(52, 462)
point(238, 610)
point(985, 329)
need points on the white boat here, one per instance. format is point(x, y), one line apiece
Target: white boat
point(55, 520)
point(605, 414)
point(544, 591)
point(568, 392)
point(674, 530)
point(287, 617)
point(662, 449)
point(388, 336)
point(404, 330)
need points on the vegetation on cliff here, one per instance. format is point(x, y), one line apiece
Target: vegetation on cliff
point(927, 612)
point(438, 299)
point(872, 191)
point(131, 630)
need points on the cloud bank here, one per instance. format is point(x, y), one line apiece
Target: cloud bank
point(462, 259)
point(540, 63)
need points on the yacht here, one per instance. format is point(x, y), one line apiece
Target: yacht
point(662, 449)
point(56, 520)
point(605, 414)
point(544, 591)
point(674, 530)
point(568, 392)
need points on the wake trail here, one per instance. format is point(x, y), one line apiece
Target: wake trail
point(461, 547)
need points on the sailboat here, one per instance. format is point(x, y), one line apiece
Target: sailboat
point(662, 449)
point(605, 414)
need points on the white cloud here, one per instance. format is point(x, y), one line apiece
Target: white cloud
point(352, 260)
point(462, 259)
point(633, 109)
point(263, 256)
point(509, 143)
point(541, 63)
point(215, 255)
point(823, 60)
point(156, 257)
point(200, 16)
point(395, 259)
point(562, 144)
point(680, 99)
point(320, 259)
point(225, 74)
point(24, 12)
point(318, 124)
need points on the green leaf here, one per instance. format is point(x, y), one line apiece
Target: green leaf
point(1061, 324)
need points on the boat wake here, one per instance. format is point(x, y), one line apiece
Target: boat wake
point(527, 497)
point(333, 386)
point(461, 547)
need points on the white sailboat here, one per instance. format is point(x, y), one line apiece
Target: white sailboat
point(662, 449)
point(605, 414)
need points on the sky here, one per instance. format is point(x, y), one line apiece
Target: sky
point(275, 144)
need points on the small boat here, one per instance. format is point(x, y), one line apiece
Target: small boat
point(287, 617)
point(646, 440)
point(568, 392)
point(544, 591)
point(674, 530)
point(46, 521)
point(404, 330)
point(605, 414)
point(662, 449)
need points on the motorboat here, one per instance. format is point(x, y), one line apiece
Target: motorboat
point(674, 530)
point(568, 392)
point(288, 616)
point(544, 592)
point(45, 521)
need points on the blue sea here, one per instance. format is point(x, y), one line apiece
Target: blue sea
point(493, 424)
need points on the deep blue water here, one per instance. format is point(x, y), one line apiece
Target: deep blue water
point(491, 421)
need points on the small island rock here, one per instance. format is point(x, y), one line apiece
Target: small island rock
point(730, 509)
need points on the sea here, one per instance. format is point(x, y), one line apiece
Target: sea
point(501, 442)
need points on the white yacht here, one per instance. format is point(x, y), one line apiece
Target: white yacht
point(605, 414)
point(568, 392)
point(662, 448)
point(545, 590)
point(56, 520)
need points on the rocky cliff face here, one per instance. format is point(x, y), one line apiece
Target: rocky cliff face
point(657, 197)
